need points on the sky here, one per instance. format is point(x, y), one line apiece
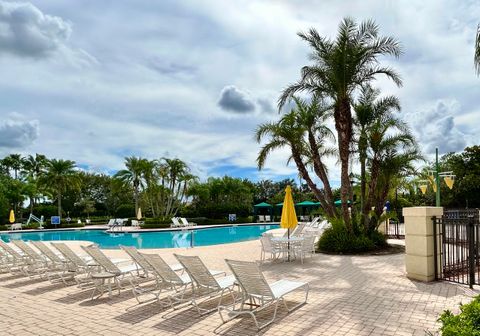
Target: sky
point(96, 81)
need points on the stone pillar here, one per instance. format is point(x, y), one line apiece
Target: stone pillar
point(419, 258)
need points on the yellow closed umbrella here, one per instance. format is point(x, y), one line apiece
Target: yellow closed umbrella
point(11, 218)
point(289, 217)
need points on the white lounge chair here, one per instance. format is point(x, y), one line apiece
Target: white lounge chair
point(14, 261)
point(54, 262)
point(261, 218)
point(205, 282)
point(186, 222)
point(81, 266)
point(110, 271)
point(298, 230)
point(176, 223)
point(136, 224)
point(256, 289)
point(268, 218)
point(36, 263)
point(169, 280)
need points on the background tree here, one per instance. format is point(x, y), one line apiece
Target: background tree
point(133, 175)
point(60, 175)
point(340, 68)
point(13, 162)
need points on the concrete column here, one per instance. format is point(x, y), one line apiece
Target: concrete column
point(419, 258)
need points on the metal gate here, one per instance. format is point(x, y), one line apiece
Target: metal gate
point(456, 243)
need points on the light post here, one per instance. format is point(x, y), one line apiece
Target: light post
point(434, 179)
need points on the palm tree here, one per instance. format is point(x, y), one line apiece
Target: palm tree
point(477, 52)
point(392, 148)
point(369, 109)
point(176, 168)
point(33, 166)
point(60, 175)
point(13, 162)
point(341, 67)
point(133, 175)
point(313, 116)
point(288, 132)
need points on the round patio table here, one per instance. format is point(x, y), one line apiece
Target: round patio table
point(287, 244)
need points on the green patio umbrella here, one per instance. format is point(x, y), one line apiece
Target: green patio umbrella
point(263, 205)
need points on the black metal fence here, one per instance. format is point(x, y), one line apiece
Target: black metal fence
point(395, 229)
point(456, 241)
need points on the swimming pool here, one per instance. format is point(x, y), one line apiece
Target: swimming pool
point(158, 239)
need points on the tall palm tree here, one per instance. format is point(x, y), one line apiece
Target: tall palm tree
point(477, 52)
point(369, 109)
point(13, 162)
point(133, 175)
point(33, 166)
point(60, 175)
point(341, 67)
point(176, 168)
point(288, 132)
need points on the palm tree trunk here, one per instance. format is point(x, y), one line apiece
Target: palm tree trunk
point(343, 125)
point(319, 169)
point(372, 187)
point(304, 173)
point(59, 202)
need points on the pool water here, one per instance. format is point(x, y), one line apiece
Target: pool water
point(159, 239)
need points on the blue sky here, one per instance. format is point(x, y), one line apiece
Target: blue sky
point(94, 81)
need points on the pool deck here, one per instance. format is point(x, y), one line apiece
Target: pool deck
point(349, 295)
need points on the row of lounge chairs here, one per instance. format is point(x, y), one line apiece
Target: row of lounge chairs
point(179, 222)
point(188, 282)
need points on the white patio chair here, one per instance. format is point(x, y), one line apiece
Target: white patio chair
point(306, 246)
point(111, 222)
point(268, 218)
point(205, 282)
point(261, 218)
point(256, 289)
point(269, 247)
point(186, 222)
point(110, 271)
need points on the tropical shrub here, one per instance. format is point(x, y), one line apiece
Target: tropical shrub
point(338, 239)
point(466, 323)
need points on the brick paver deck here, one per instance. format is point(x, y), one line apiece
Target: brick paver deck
point(350, 295)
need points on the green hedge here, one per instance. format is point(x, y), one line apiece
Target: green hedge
point(466, 323)
point(338, 240)
point(154, 223)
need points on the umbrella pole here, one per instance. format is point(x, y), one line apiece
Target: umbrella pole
point(288, 244)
